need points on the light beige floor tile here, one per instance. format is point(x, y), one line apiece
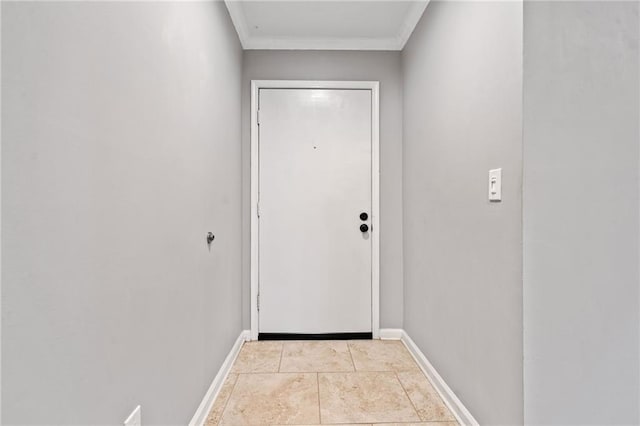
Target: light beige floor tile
point(363, 397)
point(258, 357)
point(381, 355)
point(419, 424)
point(426, 400)
point(316, 356)
point(221, 401)
point(282, 398)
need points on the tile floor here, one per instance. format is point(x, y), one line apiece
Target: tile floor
point(327, 382)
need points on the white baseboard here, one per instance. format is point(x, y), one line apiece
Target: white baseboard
point(463, 416)
point(391, 333)
point(207, 402)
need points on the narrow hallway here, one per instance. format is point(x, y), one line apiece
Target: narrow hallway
point(327, 382)
point(187, 186)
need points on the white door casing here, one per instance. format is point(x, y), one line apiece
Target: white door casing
point(314, 170)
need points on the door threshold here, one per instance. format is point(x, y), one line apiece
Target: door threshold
point(321, 336)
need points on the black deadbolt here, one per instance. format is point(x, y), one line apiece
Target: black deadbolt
point(364, 227)
point(364, 216)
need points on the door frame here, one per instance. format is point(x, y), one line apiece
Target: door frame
point(256, 85)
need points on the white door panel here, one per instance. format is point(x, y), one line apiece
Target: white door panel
point(314, 181)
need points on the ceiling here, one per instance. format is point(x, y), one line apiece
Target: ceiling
point(325, 24)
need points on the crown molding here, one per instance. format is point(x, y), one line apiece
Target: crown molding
point(320, 43)
point(239, 21)
point(396, 42)
point(410, 21)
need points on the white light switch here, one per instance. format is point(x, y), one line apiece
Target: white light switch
point(495, 185)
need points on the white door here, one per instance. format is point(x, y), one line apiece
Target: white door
point(315, 181)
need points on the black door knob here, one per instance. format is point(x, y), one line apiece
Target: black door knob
point(364, 216)
point(364, 227)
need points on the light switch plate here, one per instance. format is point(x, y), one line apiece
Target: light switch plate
point(135, 418)
point(495, 185)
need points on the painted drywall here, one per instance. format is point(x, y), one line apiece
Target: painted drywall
point(581, 212)
point(120, 150)
point(462, 72)
point(332, 65)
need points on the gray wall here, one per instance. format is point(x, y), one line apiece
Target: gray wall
point(332, 65)
point(581, 212)
point(462, 255)
point(121, 148)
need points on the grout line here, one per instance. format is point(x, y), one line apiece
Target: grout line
point(353, 363)
point(245, 373)
point(319, 410)
point(408, 397)
point(224, 408)
point(323, 372)
point(435, 422)
point(281, 353)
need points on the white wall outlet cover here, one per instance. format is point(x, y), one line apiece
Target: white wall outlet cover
point(495, 185)
point(135, 418)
